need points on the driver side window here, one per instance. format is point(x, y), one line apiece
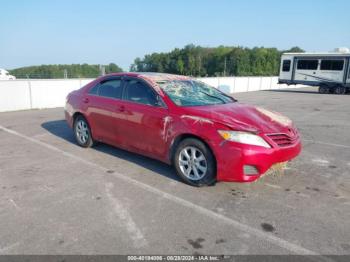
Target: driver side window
point(139, 92)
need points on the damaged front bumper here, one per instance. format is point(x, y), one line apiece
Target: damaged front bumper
point(246, 163)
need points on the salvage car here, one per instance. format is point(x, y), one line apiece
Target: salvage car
point(205, 134)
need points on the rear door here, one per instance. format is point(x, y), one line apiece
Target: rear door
point(103, 101)
point(145, 112)
point(286, 68)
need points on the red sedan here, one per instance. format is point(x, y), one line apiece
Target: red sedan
point(207, 135)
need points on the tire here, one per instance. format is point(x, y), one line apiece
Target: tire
point(323, 89)
point(82, 132)
point(340, 90)
point(198, 166)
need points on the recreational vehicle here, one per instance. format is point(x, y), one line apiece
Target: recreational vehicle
point(4, 75)
point(329, 71)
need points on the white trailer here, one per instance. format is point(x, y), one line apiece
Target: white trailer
point(330, 71)
point(4, 75)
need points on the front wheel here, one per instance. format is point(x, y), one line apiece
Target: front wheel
point(195, 163)
point(82, 132)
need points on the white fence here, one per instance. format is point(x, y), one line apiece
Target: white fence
point(243, 84)
point(50, 93)
point(34, 94)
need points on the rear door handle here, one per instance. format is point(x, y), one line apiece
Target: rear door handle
point(86, 100)
point(122, 108)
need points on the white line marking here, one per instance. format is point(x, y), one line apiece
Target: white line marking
point(273, 186)
point(4, 249)
point(14, 203)
point(46, 188)
point(122, 213)
point(320, 161)
point(41, 135)
point(325, 143)
point(294, 248)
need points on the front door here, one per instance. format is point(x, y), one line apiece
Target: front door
point(286, 68)
point(145, 114)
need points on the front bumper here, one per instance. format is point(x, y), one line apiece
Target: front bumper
point(232, 157)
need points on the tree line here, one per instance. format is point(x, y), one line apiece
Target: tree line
point(65, 71)
point(220, 61)
point(191, 60)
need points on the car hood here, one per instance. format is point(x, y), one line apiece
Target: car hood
point(242, 117)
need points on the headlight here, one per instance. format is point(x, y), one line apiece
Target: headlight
point(244, 138)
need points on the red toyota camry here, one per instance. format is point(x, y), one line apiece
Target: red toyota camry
point(205, 134)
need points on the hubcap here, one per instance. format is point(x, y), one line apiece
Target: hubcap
point(82, 131)
point(192, 163)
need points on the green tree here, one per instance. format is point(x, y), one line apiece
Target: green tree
point(202, 61)
point(58, 71)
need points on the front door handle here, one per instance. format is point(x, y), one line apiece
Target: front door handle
point(121, 108)
point(86, 100)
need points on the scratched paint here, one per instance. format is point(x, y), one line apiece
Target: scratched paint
point(197, 119)
point(285, 121)
point(167, 128)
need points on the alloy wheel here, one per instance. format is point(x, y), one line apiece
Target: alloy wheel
point(82, 131)
point(192, 163)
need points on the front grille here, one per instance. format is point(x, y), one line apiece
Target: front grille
point(283, 139)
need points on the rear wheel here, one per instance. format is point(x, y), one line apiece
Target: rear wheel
point(323, 89)
point(340, 90)
point(82, 132)
point(195, 163)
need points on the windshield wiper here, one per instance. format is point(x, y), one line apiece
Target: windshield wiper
point(230, 97)
point(222, 100)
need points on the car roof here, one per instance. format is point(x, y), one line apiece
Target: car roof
point(152, 76)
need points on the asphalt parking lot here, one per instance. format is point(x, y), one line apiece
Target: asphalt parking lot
point(58, 198)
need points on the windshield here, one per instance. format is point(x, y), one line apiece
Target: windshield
point(193, 93)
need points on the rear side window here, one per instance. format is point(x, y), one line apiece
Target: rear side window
point(139, 92)
point(307, 64)
point(333, 65)
point(111, 88)
point(286, 66)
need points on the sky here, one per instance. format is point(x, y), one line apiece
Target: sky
point(35, 32)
